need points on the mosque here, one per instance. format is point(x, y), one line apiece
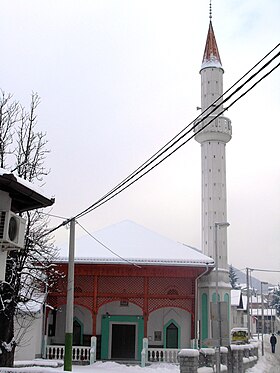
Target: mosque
point(156, 289)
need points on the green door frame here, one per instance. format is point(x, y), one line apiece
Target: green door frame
point(171, 321)
point(82, 328)
point(105, 332)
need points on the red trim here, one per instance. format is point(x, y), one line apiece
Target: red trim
point(140, 286)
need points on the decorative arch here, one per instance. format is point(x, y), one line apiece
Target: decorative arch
point(78, 332)
point(204, 316)
point(226, 299)
point(214, 297)
point(170, 324)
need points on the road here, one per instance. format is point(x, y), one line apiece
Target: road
point(269, 363)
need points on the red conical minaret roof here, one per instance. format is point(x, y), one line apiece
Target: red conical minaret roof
point(211, 56)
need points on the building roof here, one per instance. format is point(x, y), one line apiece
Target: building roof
point(25, 195)
point(136, 244)
point(211, 56)
point(266, 312)
point(235, 297)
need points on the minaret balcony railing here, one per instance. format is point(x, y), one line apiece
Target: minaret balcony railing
point(219, 129)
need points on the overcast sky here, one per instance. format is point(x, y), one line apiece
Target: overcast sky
point(117, 80)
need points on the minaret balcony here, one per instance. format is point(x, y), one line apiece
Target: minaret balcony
point(218, 130)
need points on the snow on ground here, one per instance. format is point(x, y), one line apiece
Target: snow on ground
point(99, 367)
point(269, 363)
point(110, 367)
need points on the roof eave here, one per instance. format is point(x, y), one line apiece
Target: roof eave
point(24, 198)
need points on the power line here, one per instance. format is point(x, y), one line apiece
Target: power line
point(153, 157)
point(127, 181)
point(106, 247)
point(53, 216)
point(121, 186)
point(264, 270)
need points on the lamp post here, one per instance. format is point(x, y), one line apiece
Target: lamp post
point(218, 355)
point(249, 297)
point(262, 283)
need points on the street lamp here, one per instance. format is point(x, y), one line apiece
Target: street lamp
point(262, 283)
point(218, 355)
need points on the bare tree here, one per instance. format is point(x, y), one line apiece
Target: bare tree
point(23, 149)
point(9, 116)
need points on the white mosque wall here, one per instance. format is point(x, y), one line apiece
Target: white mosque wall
point(28, 335)
point(161, 317)
point(81, 314)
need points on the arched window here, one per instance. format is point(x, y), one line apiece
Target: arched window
point(172, 336)
point(77, 333)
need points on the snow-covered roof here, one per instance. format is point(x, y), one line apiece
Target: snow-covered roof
point(245, 301)
point(258, 300)
point(21, 181)
point(235, 297)
point(266, 312)
point(136, 244)
point(25, 195)
point(212, 62)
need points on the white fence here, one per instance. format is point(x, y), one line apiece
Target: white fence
point(166, 355)
point(79, 353)
point(82, 353)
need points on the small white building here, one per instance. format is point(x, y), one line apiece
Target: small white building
point(29, 329)
point(238, 309)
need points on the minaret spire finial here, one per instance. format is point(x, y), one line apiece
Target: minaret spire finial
point(210, 10)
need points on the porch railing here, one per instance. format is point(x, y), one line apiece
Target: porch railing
point(79, 353)
point(167, 355)
point(82, 353)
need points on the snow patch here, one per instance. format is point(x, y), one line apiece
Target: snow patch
point(188, 352)
point(208, 351)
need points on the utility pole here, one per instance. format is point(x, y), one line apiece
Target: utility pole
point(70, 300)
point(262, 283)
point(248, 303)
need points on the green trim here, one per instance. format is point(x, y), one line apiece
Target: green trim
point(214, 297)
point(226, 298)
point(105, 332)
point(179, 332)
point(68, 352)
point(204, 316)
point(82, 328)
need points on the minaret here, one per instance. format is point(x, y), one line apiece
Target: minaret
point(213, 141)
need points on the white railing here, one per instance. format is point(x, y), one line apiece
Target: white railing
point(167, 355)
point(79, 353)
point(82, 353)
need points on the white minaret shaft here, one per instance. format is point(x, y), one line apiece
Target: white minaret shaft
point(213, 139)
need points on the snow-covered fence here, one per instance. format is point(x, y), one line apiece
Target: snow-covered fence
point(207, 357)
point(167, 355)
point(235, 359)
point(188, 359)
point(242, 357)
point(79, 353)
